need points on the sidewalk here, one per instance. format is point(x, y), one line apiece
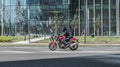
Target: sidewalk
point(26, 42)
point(31, 40)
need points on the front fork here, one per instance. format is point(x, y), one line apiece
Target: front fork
point(53, 43)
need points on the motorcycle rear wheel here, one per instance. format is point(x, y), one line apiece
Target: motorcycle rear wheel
point(75, 47)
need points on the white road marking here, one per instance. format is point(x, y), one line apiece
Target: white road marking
point(13, 52)
point(82, 52)
point(23, 47)
point(68, 52)
point(57, 51)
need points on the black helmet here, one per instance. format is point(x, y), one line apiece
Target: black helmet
point(64, 29)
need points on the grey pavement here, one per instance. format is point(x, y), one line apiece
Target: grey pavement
point(43, 57)
point(28, 53)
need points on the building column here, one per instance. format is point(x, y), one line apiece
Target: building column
point(119, 14)
point(86, 17)
point(29, 22)
point(109, 19)
point(2, 17)
point(101, 17)
point(117, 18)
point(94, 15)
point(79, 15)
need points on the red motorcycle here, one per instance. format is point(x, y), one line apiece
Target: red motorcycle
point(72, 43)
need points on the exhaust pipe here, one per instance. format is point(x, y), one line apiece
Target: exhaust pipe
point(73, 44)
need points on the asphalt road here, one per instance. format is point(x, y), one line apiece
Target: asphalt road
point(43, 57)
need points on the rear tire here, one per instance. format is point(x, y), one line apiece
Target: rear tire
point(52, 46)
point(75, 47)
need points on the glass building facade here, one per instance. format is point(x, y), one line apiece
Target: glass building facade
point(12, 15)
point(37, 14)
point(42, 13)
point(98, 17)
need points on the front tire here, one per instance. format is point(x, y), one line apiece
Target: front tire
point(52, 46)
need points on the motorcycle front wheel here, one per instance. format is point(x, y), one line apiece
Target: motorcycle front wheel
point(52, 46)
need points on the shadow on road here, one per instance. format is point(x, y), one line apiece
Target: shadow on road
point(60, 62)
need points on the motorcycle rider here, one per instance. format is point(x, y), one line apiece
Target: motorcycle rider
point(67, 35)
